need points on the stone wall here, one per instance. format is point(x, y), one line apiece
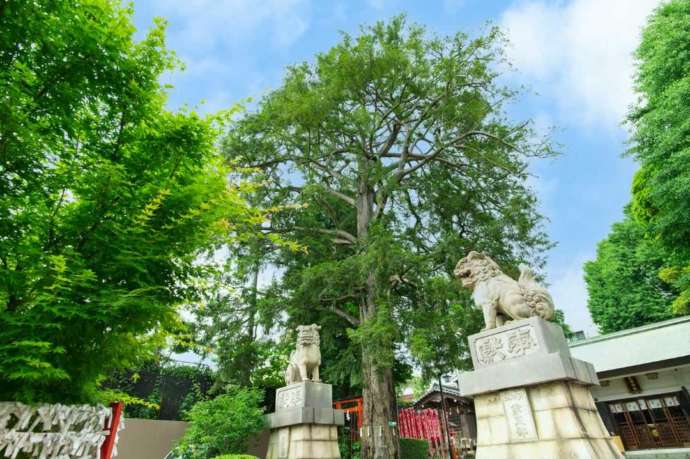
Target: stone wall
point(148, 438)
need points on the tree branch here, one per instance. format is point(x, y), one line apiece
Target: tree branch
point(329, 190)
point(333, 173)
point(342, 236)
point(345, 315)
point(402, 173)
point(424, 159)
point(392, 138)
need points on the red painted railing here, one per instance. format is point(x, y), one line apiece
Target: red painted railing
point(112, 424)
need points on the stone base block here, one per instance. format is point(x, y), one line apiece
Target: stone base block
point(519, 373)
point(522, 353)
point(546, 421)
point(297, 416)
point(571, 449)
point(304, 394)
point(306, 441)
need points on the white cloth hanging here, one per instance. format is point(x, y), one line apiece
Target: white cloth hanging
point(55, 431)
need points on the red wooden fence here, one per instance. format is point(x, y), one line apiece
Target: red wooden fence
point(424, 425)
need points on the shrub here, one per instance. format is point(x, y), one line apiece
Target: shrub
point(236, 456)
point(412, 448)
point(222, 425)
point(344, 446)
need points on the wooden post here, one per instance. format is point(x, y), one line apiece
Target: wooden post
point(444, 423)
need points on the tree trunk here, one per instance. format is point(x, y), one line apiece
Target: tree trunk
point(379, 438)
point(251, 322)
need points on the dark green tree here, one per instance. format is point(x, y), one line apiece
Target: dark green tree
point(392, 154)
point(438, 328)
point(623, 281)
point(234, 324)
point(107, 199)
point(661, 141)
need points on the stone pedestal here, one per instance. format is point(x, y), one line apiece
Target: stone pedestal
point(532, 399)
point(304, 425)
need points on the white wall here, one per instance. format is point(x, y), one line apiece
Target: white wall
point(638, 346)
point(669, 380)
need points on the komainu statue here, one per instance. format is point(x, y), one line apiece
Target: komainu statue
point(498, 296)
point(306, 358)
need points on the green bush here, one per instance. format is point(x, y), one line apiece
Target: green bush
point(344, 446)
point(236, 456)
point(412, 448)
point(222, 425)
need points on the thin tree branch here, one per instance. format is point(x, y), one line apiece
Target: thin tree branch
point(331, 172)
point(348, 199)
point(345, 315)
point(392, 138)
point(341, 235)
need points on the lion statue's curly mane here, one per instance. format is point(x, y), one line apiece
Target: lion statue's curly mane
point(498, 296)
point(306, 358)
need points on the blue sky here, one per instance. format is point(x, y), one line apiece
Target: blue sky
point(574, 56)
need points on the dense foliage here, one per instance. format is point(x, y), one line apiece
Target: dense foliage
point(642, 270)
point(161, 389)
point(349, 447)
point(624, 287)
point(107, 199)
point(412, 448)
point(222, 425)
point(661, 136)
point(232, 322)
point(392, 157)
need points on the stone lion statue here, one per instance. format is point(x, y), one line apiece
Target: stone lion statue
point(498, 296)
point(305, 360)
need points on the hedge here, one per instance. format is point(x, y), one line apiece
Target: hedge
point(412, 448)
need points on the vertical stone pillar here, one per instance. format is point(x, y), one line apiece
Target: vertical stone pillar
point(532, 399)
point(304, 425)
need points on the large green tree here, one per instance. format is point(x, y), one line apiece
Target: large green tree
point(393, 157)
point(107, 199)
point(642, 270)
point(623, 281)
point(661, 141)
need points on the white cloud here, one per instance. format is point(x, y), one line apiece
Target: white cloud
point(377, 4)
point(453, 6)
point(208, 23)
point(579, 52)
point(569, 291)
point(224, 45)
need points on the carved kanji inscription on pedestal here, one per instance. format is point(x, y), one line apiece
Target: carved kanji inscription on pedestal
point(506, 345)
point(519, 415)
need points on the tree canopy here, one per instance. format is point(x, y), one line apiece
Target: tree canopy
point(392, 156)
point(107, 199)
point(642, 270)
point(661, 140)
point(623, 281)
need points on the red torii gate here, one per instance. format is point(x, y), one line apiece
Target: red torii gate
point(351, 406)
